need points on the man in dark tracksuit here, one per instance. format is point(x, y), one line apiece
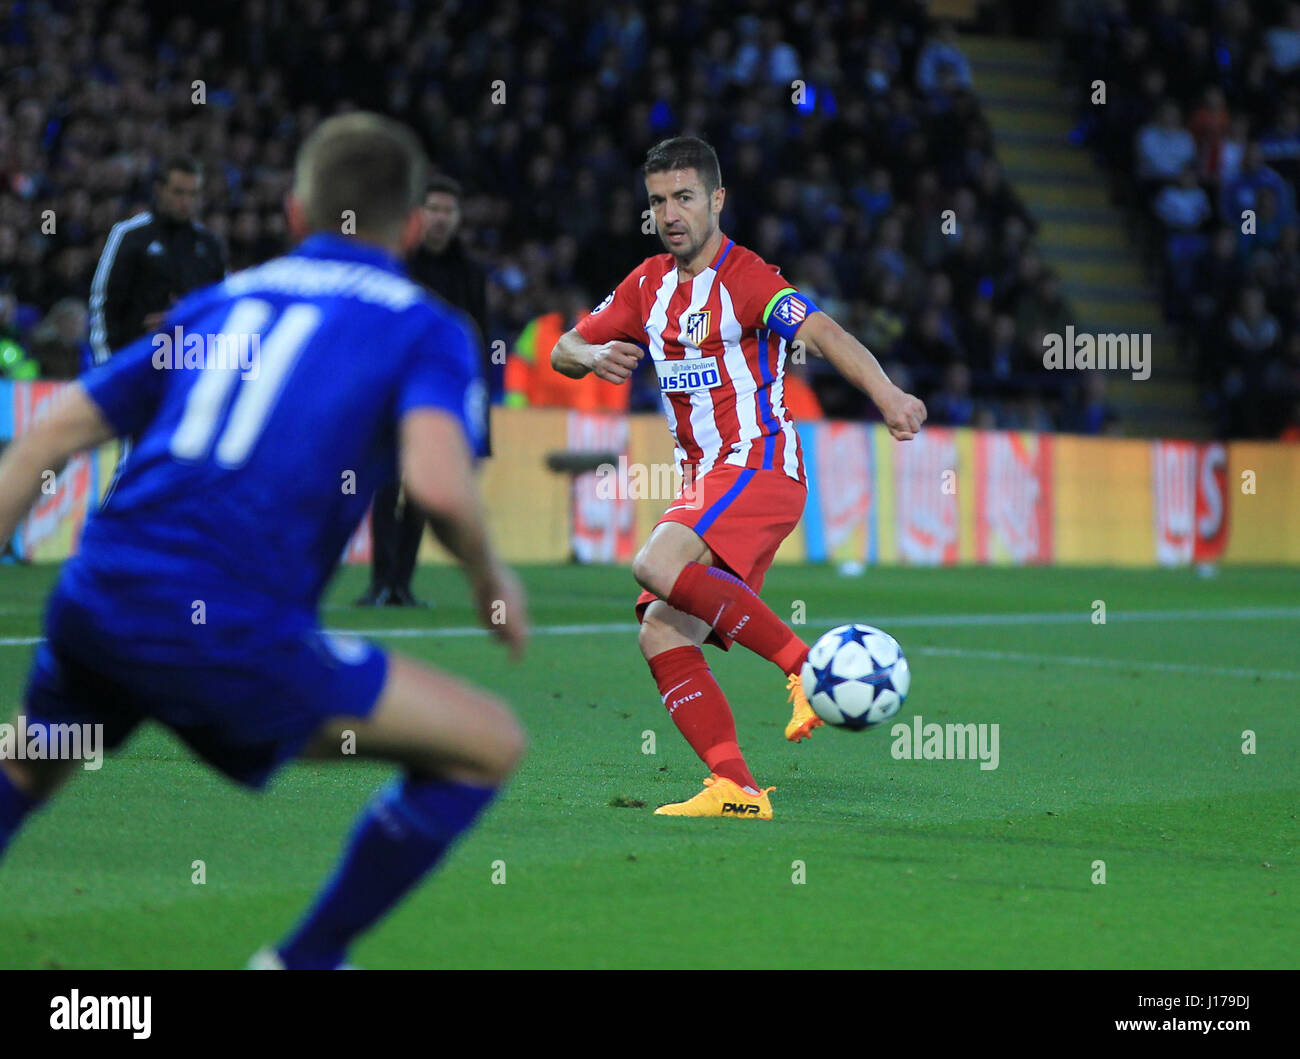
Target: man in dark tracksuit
point(149, 262)
point(441, 264)
point(152, 260)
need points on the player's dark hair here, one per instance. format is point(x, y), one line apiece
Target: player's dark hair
point(685, 152)
point(365, 163)
point(179, 163)
point(441, 184)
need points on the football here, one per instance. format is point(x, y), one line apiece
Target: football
point(856, 677)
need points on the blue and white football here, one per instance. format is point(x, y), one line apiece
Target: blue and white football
point(856, 677)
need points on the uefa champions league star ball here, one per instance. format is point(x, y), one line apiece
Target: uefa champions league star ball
point(856, 677)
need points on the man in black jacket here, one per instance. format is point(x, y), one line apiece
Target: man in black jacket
point(152, 260)
point(441, 264)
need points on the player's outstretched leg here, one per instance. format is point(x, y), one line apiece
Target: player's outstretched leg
point(670, 642)
point(24, 787)
point(458, 745)
point(674, 564)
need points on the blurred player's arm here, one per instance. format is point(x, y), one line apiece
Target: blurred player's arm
point(823, 337)
point(438, 477)
point(612, 361)
point(74, 425)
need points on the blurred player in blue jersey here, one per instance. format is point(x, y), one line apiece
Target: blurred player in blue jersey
point(193, 598)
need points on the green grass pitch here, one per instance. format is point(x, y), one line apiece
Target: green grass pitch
point(1119, 742)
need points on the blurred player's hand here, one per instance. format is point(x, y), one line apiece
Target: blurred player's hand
point(903, 414)
point(503, 608)
point(615, 361)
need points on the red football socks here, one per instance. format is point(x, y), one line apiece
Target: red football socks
point(700, 711)
point(734, 610)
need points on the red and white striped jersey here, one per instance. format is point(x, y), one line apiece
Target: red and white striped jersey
point(719, 346)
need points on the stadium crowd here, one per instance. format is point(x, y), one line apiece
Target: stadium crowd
point(544, 115)
point(1201, 127)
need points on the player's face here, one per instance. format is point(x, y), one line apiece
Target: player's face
point(685, 214)
point(442, 211)
point(178, 196)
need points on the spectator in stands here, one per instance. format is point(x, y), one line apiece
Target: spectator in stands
point(928, 344)
point(1184, 209)
point(1232, 154)
point(1253, 331)
point(952, 404)
point(1280, 145)
point(1209, 125)
point(1163, 148)
point(1284, 42)
point(942, 59)
point(887, 256)
point(1183, 206)
point(1005, 357)
point(1242, 193)
point(1251, 337)
point(770, 59)
point(876, 196)
point(1267, 227)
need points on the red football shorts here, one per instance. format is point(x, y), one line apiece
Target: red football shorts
point(743, 514)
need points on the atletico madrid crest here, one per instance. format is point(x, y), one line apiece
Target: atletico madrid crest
point(697, 328)
point(790, 310)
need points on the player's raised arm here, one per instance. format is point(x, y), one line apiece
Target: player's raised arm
point(438, 475)
point(74, 425)
point(823, 337)
point(612, 361)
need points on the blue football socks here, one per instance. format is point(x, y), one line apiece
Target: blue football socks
point(400, 836)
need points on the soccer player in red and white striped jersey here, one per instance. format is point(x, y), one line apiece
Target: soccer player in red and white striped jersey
point(719, 323)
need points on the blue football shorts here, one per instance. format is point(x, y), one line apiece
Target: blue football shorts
point(244, 712)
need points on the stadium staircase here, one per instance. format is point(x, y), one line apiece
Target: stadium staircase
point(1081, 235)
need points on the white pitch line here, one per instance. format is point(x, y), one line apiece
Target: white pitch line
point(1069, 617)
point(909, 620)
point(1104, 663)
